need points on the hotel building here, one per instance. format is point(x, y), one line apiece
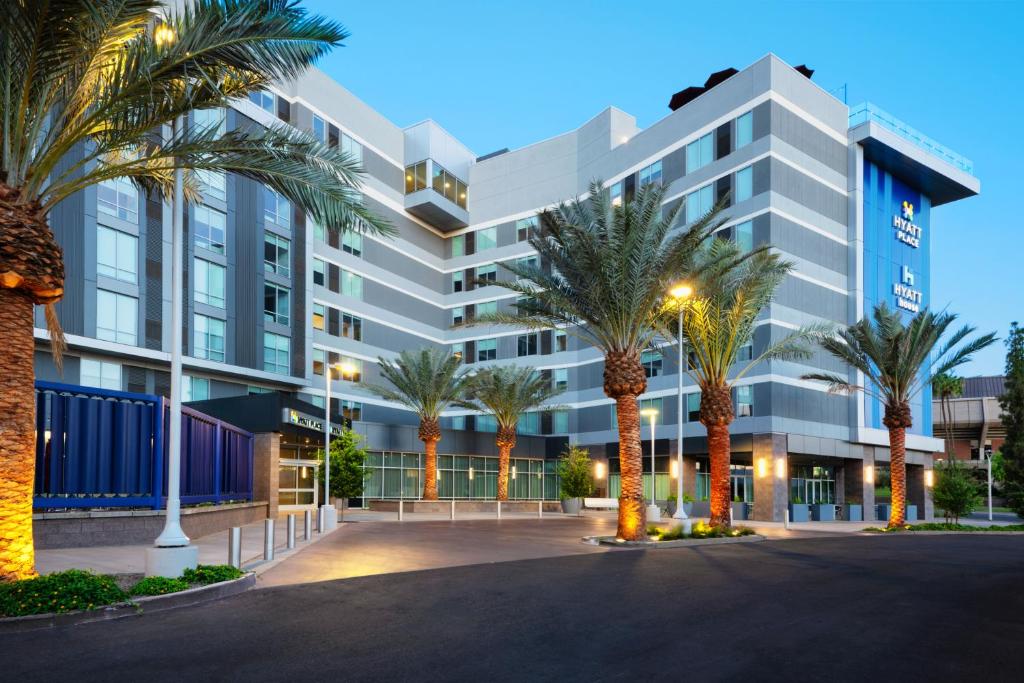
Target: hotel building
point(845, 193)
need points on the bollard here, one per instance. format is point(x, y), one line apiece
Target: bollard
point(268, 539)
point(451, 514)
point(540, 509)
point(307, 525)
point(730, 515)
point(235, 547)
point(291, 531)
point(499, 509)
point(320, 520)
point(786, 521)
point(401, 509)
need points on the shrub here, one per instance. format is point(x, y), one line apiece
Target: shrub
point(955, 491)
point(700, 530)
point(944, 526)
point(158, 585)
point(65, 591)
point(574, 472)
point(211, 573)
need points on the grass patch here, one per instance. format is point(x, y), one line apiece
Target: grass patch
point(700, 530)
point(158, 585)
point(942, 526)
point(66, 591)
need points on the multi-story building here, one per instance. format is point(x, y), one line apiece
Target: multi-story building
point(846, 194)
point(975, 423)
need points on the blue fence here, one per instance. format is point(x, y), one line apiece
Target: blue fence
point(101, 448)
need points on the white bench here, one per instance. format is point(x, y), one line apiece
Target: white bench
point(601, 503)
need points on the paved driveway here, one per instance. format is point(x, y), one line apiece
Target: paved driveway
point(854, 608)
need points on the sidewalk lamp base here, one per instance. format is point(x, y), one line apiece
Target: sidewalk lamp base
point(680, 513)
point(330, 517)
point(171, 562)
point(653, 513)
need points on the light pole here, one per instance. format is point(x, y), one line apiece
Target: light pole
point(988, 457)
point(171, 553)
point(681, 293)
point(653, 511)
point(330, 513)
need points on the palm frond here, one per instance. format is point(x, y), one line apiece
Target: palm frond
point(509, 391)
point(426, 381)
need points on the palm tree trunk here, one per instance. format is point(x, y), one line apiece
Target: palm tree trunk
point(17, 436)
point(506, 442)
point(430, 469)
point(632, 515)
point(719, 452)
point(898, 475)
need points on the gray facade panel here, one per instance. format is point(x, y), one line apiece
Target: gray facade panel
point(799, 187)
point(794, 130)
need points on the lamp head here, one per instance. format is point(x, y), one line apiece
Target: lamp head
point(682, 291)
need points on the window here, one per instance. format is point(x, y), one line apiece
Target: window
point(561, 341)
point(525, 227)
point(699, 202)
point(211, 119)
point(263, 99)
point(208, 282)
point(352, 243)
point(118, 198)
point(446, 184)
point(458, 315)
point(652, 362)
point(416, 177)
point(276, 209)
point(745, 352)
point(319, 316)
point(352, 148)
point(352, 410)
point(652, 404)
point(318, 232)
point(213, 183)
point(745, 129)
point(458, 422)
point(615, 193)
point(528, 423)
point(744, 236)
point(458, 245)
point(700, 153)
point(458, 283)
point(275, 353)
point(486, 239)
point(208, 337)
point(744, 401)
point(319, 129)
point(275, 303)
point(275, 254)
point(318, 361)
point(459, 350)
point(117, 317)
point(693, 407)
point(351, 327)
point(560, 378)
point(209, 229)
point(488, 273)
point(527, 262)
point(651, 174)
point(486, 349)
point(319, 272)
point(116, 254)
point(486, 308)
point(98, 373)
point(486, 423)
point(356, 375)
point(194, 388)
point(560, 422)
point(351, 284)
point(744, 183)
point(527, 344)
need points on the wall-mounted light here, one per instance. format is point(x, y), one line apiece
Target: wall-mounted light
point(762, 468)
point(513, 471)
point(929, 478)
point(780, 469)
point(869, 474)
point(598, 470)
point(674, 469)
point(471, 474)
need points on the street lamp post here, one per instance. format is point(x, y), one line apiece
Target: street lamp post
point(653, 511)
point(171, 553)
point(988, 456)
point(681, 293)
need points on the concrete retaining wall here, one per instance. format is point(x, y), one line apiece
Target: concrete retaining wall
point(89, 528)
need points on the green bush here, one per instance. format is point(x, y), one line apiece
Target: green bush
point(574, 473)
point(955, 491)
point(211, 573)
point(943, 526)
point(700, 530)
point(66, 591)
point(158, 585)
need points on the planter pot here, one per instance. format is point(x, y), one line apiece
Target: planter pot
point(739, 511)
point(854, 513)
point(700, 508)
point(670, 508)
point(571, 506)
point(882, 512)
point(799, 512)
point(911, 513)
point(823, 513)
point(688, 508)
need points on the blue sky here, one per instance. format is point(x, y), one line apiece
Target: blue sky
point(505, 74)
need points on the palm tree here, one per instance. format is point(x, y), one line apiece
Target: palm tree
point(719, 322)
point(603, 273)
point(947, 386)
point(508, 392)
point(426, 381)
point(86, 89)
point(898, 361)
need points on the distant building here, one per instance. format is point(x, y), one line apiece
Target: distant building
point(975, 418)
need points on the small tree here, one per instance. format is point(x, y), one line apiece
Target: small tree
point(1012, 403)
point(955, 491)
point(348, 460)
point(574, 472)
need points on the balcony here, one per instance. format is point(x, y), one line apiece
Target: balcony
point(441, 200)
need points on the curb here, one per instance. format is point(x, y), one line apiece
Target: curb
point(143, 605)
point(678, 543)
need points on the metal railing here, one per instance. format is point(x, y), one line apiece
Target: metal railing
point(866, 111)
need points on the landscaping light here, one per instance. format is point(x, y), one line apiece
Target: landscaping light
point(929, 478)
point(780, 469)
